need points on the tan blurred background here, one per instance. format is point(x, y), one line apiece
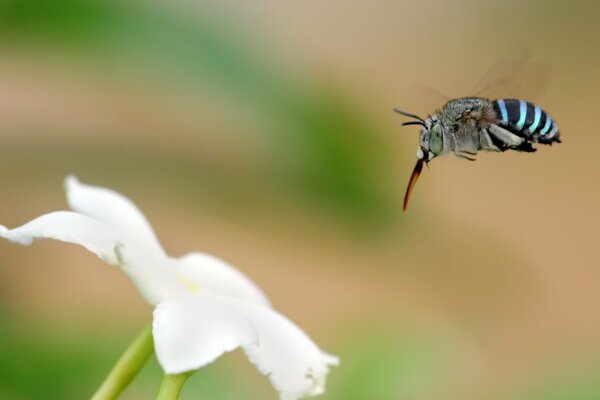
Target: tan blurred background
point(262, 132)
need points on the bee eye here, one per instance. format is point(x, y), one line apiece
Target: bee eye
point(436, 142)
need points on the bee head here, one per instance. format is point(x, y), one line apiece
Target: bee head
point(431, 138)
point(431, 144)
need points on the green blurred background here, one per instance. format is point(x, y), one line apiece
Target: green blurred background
point(262, 132)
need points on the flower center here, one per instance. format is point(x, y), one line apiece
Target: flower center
point(188, 284)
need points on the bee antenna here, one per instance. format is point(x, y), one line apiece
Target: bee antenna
point(414, 123)
point(407, 114)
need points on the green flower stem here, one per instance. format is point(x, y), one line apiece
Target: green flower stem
point(127, 367)
point(171, 386)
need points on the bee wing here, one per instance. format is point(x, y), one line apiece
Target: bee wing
point(513, 76)
point(434, 97)
point(424, 99)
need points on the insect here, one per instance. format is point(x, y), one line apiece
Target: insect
point(464, 126)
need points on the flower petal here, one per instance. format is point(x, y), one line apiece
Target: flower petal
point(212, 274)
point(293, 362)
point(151, 275)
point(115, 210)
point(71, 227)
point(194, 330)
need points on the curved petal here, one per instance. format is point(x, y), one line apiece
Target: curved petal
point(192, 331)
point(293, 362)
point(114, 209)
point(152, 278)
point(205, 272)
point(71, 227)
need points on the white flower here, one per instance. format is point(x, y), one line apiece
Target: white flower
point(204, 307)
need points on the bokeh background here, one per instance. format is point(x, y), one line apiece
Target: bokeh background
point(262, 132)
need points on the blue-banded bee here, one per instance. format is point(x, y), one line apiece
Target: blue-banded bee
point(466, 125)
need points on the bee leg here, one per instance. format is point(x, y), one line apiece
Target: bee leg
point(506, 137)
point(462, 155)
point(487, 142)
point(526, 147)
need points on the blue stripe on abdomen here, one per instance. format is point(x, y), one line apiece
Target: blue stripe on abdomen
point(522, 114)
point(536, 120)
point(553, 132)
point(503, 113)
point(547, 126)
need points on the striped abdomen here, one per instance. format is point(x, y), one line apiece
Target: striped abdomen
point(527, 120)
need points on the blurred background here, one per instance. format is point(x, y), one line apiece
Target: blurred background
point(262, 132)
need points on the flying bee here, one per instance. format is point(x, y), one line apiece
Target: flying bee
point(466, 125)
